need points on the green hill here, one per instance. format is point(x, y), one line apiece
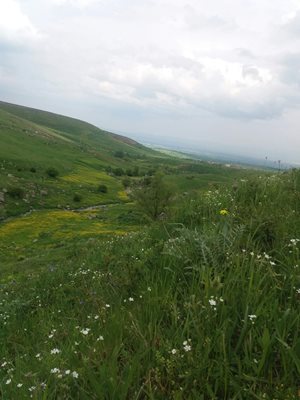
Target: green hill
point(84, 156)
point(103, 296)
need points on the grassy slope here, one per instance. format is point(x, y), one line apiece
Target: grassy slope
point(79, 151)
point(201, 306)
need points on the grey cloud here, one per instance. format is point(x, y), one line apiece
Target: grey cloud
point(195, 20)
point(290, 69)
point(293, 25)
point(148, 64)
point(244, 54)
point(251, 71)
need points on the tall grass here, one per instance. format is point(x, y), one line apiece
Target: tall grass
point(201, 306)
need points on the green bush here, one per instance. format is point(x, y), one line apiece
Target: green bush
point(16, 192)
point(126, 182)
point(102, 188)
point(119, 154)
point(52, 172)
point(77, 197)
point(118, 171)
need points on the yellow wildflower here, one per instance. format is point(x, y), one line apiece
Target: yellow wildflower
point(224, 212)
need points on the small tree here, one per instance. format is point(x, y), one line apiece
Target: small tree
point(153, 197)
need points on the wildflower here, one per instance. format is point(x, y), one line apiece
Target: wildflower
point(55, 351)
point(8, 382)
point(187, 347)
point(212, 302)
point(252, 317)
point(85, 331)
point(19, 385)
point(131, 299)
point(67, 372)
point(55, 370)
point(173, 351)
point(100, 338)
point(224, 212)
point(75, 374)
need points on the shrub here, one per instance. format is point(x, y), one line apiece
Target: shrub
point(77, 197)
point(126, 182)
point(102, 188)
point(118, 171)
point(52, 172)
point(16, 192)
point(119, 154)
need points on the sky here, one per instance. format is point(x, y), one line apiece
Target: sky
point(218, 75)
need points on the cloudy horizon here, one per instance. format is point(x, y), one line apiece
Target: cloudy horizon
point(223, 75)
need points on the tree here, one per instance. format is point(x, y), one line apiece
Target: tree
point(154, 197)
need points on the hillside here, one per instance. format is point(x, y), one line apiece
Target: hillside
point(130, 274)
point(85, 157)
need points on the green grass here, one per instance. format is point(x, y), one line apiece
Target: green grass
point(201, 306)
point(102, 303)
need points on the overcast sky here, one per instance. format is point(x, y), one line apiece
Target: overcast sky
point(218, 74)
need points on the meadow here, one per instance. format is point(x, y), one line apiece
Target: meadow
point(204, 305)
point(106, 302)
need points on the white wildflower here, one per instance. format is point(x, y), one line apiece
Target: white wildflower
point(75, 374)
point(85, 331)
point(55, 351)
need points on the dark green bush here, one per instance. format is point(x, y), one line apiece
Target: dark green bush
point(118, 171)
point(126, 182)
point(102, 188)
point(16, 192)
point(77, 197)
point(119, 154)
point(52, 172)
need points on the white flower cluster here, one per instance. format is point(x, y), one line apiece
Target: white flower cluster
point(67, 372)
point(213, 301)
point(252, 318)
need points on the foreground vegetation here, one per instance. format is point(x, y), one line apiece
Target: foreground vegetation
point(200, 304)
